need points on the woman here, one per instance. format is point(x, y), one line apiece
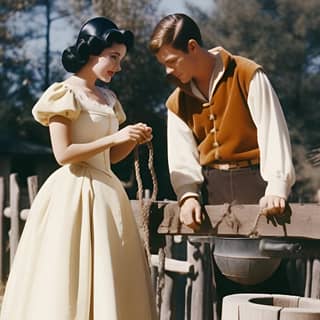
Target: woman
point(80, 255)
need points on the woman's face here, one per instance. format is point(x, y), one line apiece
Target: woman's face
point(107, 64)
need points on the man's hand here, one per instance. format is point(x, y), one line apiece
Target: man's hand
point(190, 213)
point(272, 205)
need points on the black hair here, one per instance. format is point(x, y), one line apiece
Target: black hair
point(95, 35)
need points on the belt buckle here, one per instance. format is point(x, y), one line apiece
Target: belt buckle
point(225, 166)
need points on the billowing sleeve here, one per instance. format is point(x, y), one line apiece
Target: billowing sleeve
point(183, 157)
point(273, 137)
point(58, 99)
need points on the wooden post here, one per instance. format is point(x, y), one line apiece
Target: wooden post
point(165, 310)
point(1, 226)
point(308, 276)
point(199, 291)
point(315, 284)
point(194, 253)
point(32, 192)
point(32, 188)
point(14, 216)
point(315, 280)
point(318, 196)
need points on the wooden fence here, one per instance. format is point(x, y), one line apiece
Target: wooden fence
point(182, 280)
point(13, 217)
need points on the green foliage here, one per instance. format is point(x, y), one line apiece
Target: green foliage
point(23, 71)
point(13, 75)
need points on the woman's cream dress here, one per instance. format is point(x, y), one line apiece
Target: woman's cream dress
point(80, 256)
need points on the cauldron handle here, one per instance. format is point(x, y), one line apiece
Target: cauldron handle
point(279, 248)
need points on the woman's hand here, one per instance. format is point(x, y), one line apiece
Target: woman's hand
point(138, 133)
point(125, 140)
point(147, 134)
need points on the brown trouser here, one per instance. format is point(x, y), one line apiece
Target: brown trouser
point(239, 186)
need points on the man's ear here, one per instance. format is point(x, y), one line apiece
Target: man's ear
point(192, 45)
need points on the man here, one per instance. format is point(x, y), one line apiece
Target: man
point(227, 137)
point(225, 118)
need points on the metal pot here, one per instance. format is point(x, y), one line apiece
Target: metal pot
point(241, 261)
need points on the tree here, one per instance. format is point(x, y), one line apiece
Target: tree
point(14, 77)
point(281, 35)
point(26, 69)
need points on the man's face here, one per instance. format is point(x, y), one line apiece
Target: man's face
point(177, 63)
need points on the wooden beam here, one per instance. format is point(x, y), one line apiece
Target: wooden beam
point(173, 265)
point(299, 220)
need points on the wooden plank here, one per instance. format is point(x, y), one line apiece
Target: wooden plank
point(300, 220)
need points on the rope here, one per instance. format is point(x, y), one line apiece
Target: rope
point(145, 206)
point(161, 278)
point(229, 217)
point(276, 220)
point(254, 232)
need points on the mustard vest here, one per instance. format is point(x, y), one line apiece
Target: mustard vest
point(223, 128)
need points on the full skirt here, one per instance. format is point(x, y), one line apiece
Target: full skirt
point(80, 255)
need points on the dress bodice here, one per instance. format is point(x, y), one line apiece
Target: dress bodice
point(95, 121)
point(91, 120)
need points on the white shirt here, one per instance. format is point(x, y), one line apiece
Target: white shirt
point(276, 166)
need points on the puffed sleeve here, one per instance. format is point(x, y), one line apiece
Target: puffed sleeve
point(118, 110)
point(58, 99)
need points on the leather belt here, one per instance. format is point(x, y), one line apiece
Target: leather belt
point(235, 164)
